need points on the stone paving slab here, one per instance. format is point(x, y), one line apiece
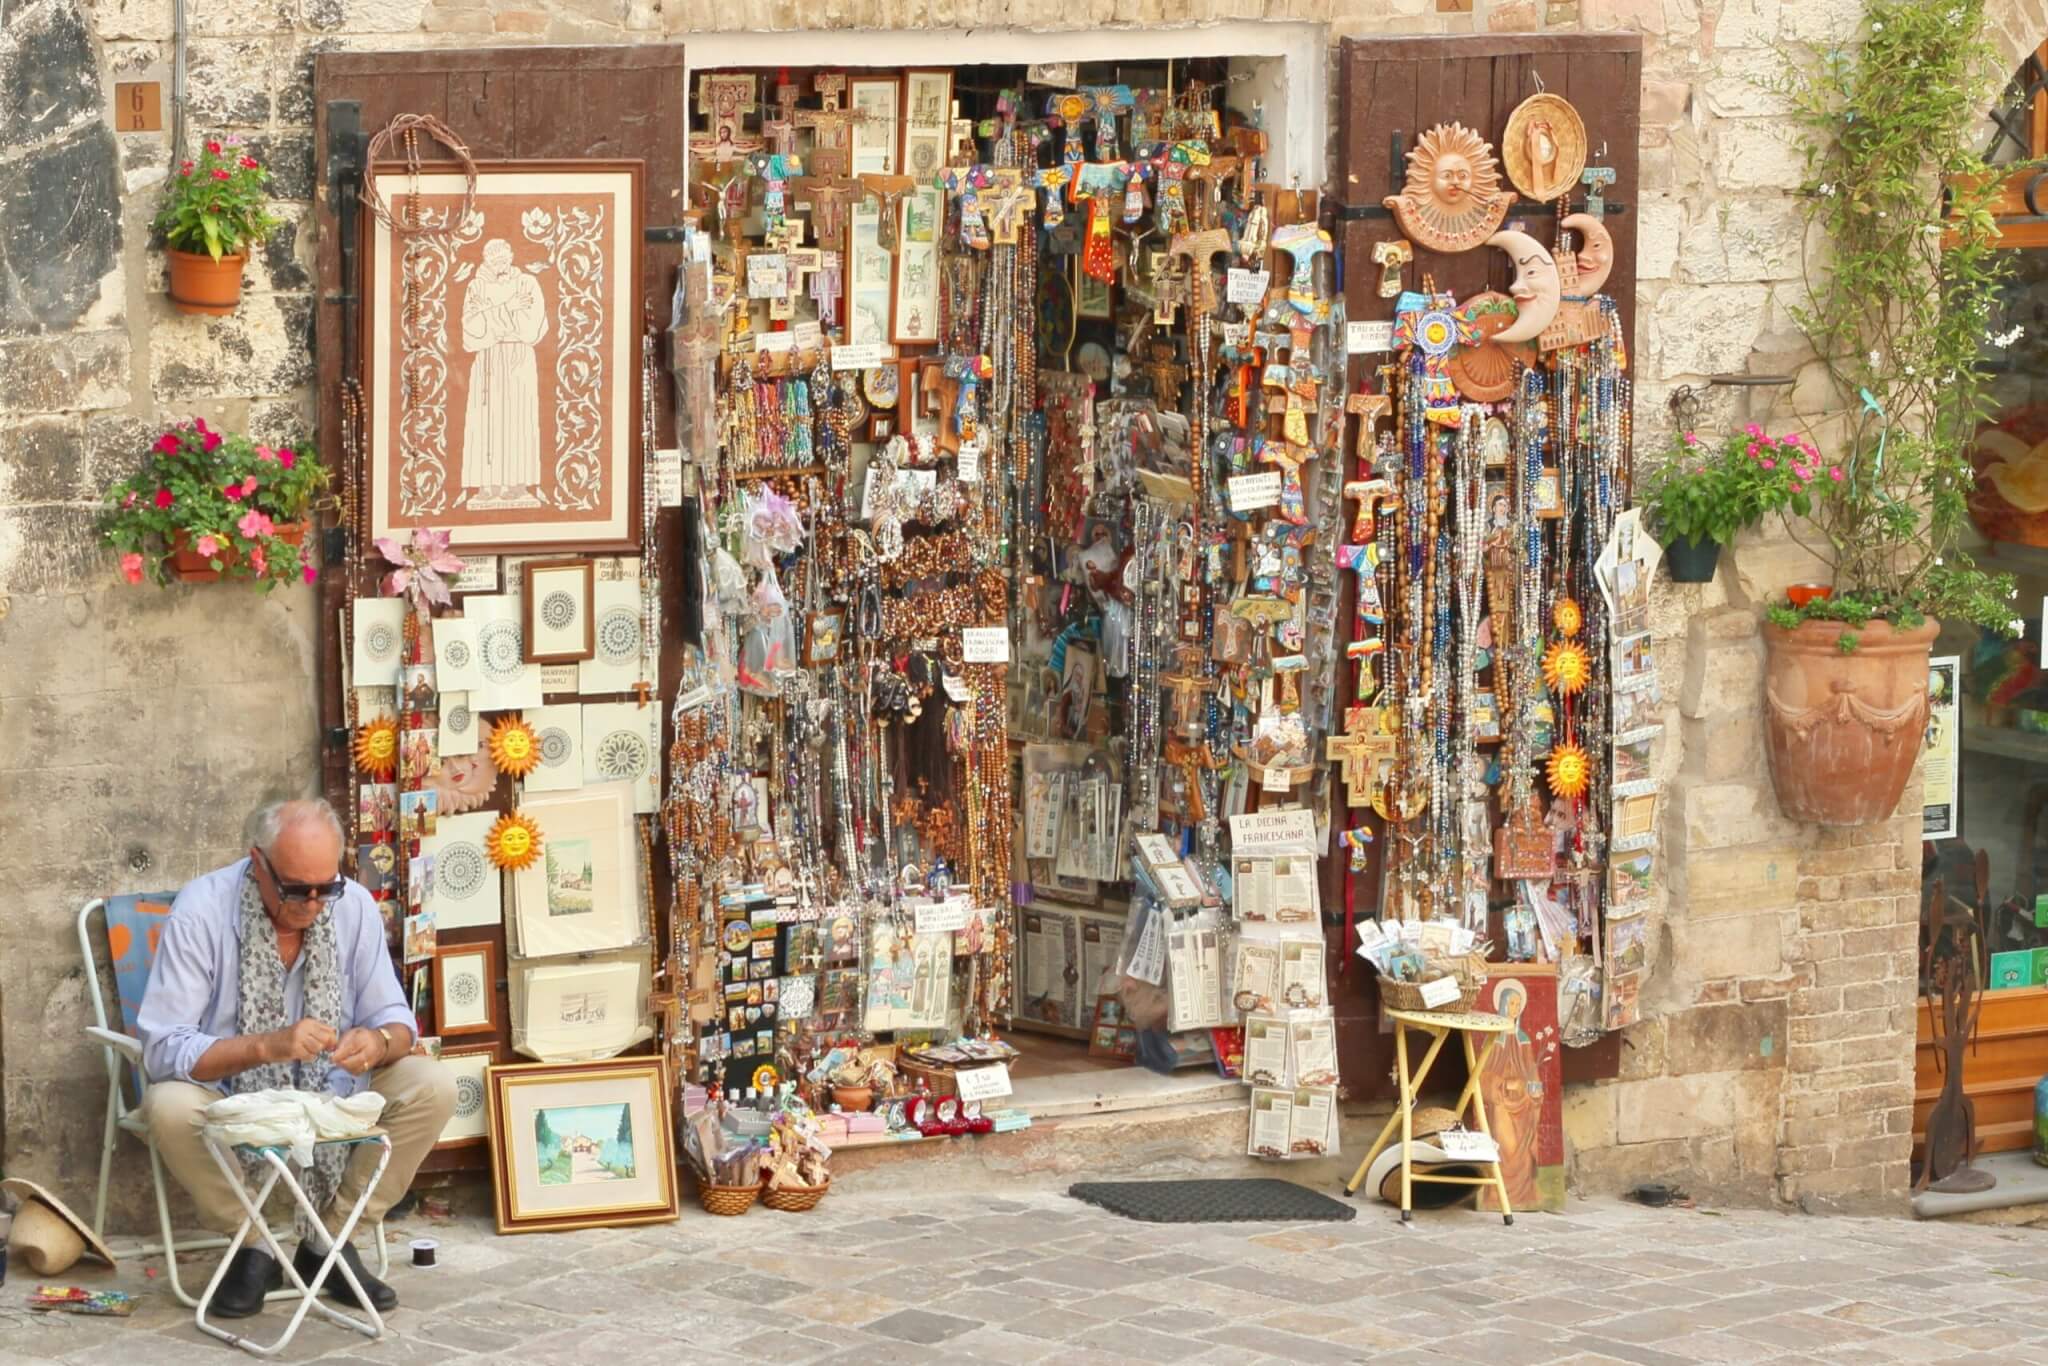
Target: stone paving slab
point(1034, 1277)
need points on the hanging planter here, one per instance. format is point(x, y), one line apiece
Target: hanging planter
point(216, 209)
point(187, 565)
point(200, 284)
point(1845, 724)
point(1692, 559)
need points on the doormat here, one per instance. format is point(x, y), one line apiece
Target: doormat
point(1212, 1202)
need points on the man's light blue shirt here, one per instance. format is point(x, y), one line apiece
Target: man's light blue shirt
point(194, 996)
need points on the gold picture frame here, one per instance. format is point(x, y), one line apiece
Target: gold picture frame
point(581, 1145)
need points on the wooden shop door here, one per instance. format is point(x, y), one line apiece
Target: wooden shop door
point(1390, 92)
point(507, 104)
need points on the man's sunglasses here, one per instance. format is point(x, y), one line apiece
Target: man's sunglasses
point(326, 893)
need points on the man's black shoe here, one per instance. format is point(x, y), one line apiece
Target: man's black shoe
point(250, 1276)
point(307, 1262)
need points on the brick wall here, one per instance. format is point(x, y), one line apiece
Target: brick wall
point(137, 725)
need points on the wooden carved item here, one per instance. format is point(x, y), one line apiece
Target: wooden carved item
point(1953, 967)
point(1452, 199)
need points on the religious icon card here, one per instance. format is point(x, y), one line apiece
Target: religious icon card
point(501, 354)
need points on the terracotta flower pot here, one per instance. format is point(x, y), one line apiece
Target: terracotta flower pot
point(200, 284)
point(1845, 728)
point(853, 1099)
point(189, 566)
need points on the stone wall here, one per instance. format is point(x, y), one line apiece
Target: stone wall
point(136, 725)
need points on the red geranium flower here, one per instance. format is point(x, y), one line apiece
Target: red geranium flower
point(233, 493)
point(248, 163)
point(213, 146)
point(163, 498)
point(168, 443)
point(210, 440)
point(219, 174)
point(185, 168)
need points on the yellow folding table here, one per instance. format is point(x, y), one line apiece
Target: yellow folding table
point(1439, 1025)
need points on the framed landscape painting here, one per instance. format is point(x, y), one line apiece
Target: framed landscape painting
point(501, 358)
point(581, 1145)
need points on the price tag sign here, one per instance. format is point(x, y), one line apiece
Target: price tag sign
point(479, 574)
point(983, 1083)
point(768, 275)
point(1275, 779)
point(945, 917)
point(1466, 1145)
point(865, 357)
point(668, 478)
point(1442, 992)
point(774, 343)
point(1360, 338)
point(1249, 492)
point(808, 336)
point(985, 644)
point(1236, 334)
point(1245, 286)
point(968, 466)
point(956, 687)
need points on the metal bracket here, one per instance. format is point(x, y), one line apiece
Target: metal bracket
point(348, 149)
point(663, 236)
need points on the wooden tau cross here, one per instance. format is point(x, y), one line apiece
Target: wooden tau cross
point(1368, 494)
point(1167, 375)
point(1189, 685)
point(889, 190)
point(802, 263)
point(1365, 749)
point(1105, 102)
point(1191, 758)
point(832, 152)
point(727, 100)
point(1596, 179)
point(1390, 257)
point(1250, 145)
point(1369, 409)
point(1053, 180)
point(1006, 202)
point(1201, 248)
point(644, 691)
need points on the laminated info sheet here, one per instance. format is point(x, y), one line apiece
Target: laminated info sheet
point(572, 1012)
point(1194, 958)
point(1293, 1122)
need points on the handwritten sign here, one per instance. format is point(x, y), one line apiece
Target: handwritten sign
point(985, 644)
point(865, 357)
point(945, 917)
point(1246, 286)
point(1289, 830)
point(1466, 1145)
point(668, 478)
point(808, 336)
point(983, 1083)
point(479, 574)
point(968, 466)
point(1277, 778)
point(1441, 992)
point(1360, 338)
point(774, 343)
point(1249, 492)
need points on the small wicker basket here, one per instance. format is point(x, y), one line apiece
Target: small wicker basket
point(794, 1199)
point(1469, 971)
point(726, 1200)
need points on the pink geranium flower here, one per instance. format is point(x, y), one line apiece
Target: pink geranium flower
point(265, 453)
point(163, 498)
point(1769, 464)
point(259, 561)
point(131, 567)
point(254, 524)
point(207, 545)
point(232, 492)
point(248, 486)
point(286, 457)
point(1796, 486)
point(129, 501)
point(310, 573)
point(1835, 473)
point(210, 439)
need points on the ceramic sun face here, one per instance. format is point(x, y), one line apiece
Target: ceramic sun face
point(1452, 199)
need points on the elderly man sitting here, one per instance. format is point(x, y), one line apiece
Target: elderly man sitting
point(272, 974)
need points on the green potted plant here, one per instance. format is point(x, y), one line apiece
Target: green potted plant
point(1895, 184)
point(208, 506)
point(217, 208)
point(1702, 495)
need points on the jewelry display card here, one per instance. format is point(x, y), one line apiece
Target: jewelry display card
point(582, 894)
point(509, 681)
point(1301, 973)
point(379, 642)
point(622, 743)
point(468, 888)
point(1275, 889)
point(1255, 974)
point(455, 654)
point(1194, 958)
point(1312, 1049)
point(560, 731)
point(1266, 1051)
point(1293, 1122)
point(569, 1012)
point(620, 660)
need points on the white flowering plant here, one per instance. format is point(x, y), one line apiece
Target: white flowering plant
point(1895, 182)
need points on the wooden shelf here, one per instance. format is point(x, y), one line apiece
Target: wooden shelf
point(2006, 743)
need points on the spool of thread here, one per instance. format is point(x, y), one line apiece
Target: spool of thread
point(424, 1251)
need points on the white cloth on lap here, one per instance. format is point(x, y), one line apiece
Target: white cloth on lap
point(293, 1119)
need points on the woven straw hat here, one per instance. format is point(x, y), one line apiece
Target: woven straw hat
point(1383, 1178)
point(1433, 1119)
point(1536, 119)
point(49, 1235)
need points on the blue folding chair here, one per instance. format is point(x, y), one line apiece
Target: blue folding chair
point(134, 925)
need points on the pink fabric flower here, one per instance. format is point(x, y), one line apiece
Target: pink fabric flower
point(131, 567)
point(168, 443)
point(1835, 473)
point(259, 561)
point(163, 498)
point(207, 545)
point(232, 492)
point(254, 524)
point(419, 566)
point(310, 573)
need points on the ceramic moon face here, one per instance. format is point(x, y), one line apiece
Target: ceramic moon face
point(1536, 287)
point(1596, 251)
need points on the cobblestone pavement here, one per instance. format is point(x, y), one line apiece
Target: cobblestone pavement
point(893, 1273)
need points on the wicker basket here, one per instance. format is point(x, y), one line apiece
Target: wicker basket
point(794, 1199)
point(1395, 995)
point(726, 1200)
point(939, 1081)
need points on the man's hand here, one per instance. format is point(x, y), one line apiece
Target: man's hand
point(301, 1042)
point(360, 1050)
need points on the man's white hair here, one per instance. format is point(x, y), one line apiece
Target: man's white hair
point(270, 823)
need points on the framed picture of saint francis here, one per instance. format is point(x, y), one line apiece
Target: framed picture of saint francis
point(501, 365)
